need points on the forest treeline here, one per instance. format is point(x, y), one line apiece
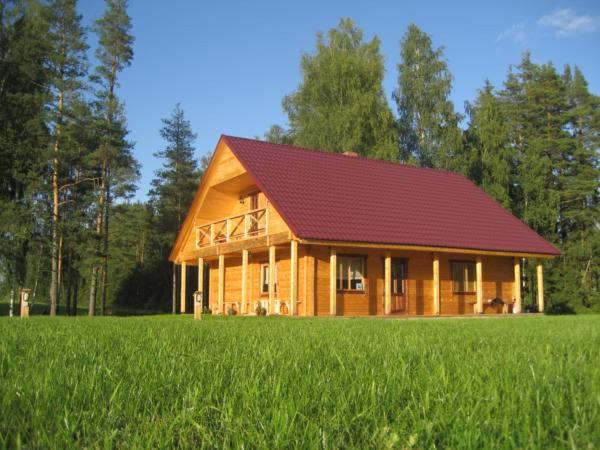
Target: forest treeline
point(72, 234)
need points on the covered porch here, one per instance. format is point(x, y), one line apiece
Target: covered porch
point(288, 276)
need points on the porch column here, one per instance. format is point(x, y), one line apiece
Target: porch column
point(387, 300)
point(517, 286)
point(332, 282)
point(540, 285)
point(293, 277)
point(479, 284)
point(272, 269)
point(198, 307)
point(436, 284)
point(183, 287)
point(244, 281)
point(221, 288)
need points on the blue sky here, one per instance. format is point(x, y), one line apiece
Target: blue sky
point(229, 63)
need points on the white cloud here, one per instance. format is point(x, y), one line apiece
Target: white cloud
point(517, 33)
point(566, 22)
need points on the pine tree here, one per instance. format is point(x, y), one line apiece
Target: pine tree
point(490, 151)
point(116, 164)
point(24, 80)
point(340, 104)
point(176, 182)
point(575, 278)
point(67, 67)
point(428, 125)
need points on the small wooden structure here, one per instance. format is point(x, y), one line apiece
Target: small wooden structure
point(303, 232)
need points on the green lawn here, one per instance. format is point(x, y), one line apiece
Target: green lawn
point(279, 382)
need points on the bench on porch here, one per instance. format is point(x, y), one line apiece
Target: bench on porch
point(495, 302)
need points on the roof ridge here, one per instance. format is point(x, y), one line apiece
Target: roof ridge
point(341, 155)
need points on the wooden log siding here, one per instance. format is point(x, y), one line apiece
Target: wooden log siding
point(315, 281)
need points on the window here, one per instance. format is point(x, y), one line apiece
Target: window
point(463, 276)
point(264, 278)
point(351, 273)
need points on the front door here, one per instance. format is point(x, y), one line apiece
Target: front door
point(399, 285)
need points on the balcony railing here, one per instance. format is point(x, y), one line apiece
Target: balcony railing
point(234, 228)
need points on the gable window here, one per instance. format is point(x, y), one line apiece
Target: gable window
point(351, 273)
point(463, 276)
point(264, 279)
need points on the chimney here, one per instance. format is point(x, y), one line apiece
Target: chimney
point(350, 154)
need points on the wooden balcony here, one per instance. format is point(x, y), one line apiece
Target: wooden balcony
point(242, 226)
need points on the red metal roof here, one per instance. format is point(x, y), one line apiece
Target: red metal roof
point(334, 197)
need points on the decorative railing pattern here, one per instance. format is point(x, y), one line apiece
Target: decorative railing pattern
point(242, 226)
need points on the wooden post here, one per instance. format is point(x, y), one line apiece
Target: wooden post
point(244, 280)
point(436, 284)
point(198, 306)
point(246, 219)
point(266, 219)
point(333, 282)
point(271, 278)
point(540, 285)
point(183, 287)
point(387, 303)
point(212, 233)
point(293, 277)
point(221, 288)
point(479, 284)
point(517, 286)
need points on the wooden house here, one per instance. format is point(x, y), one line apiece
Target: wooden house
point(309, 233)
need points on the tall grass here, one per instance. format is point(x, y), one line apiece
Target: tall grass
point(279, 382)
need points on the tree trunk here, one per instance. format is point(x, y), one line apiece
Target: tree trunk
point(69, 283)
point(75, 294)
point(95, 267)
point(60, 268)
point(105, 247)
point(55, 215)
point(174, 289)
point(93, 288)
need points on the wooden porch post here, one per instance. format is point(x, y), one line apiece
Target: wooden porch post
point(183, 287)
point(198, 307)
point(479, 284)
point(293, 277)
point(517, 286)
point(387, 302)
point(221, 289)
point(272, 264)
point(540, 285)
point(244, 280)
point(333, 282)
point(436, 284)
